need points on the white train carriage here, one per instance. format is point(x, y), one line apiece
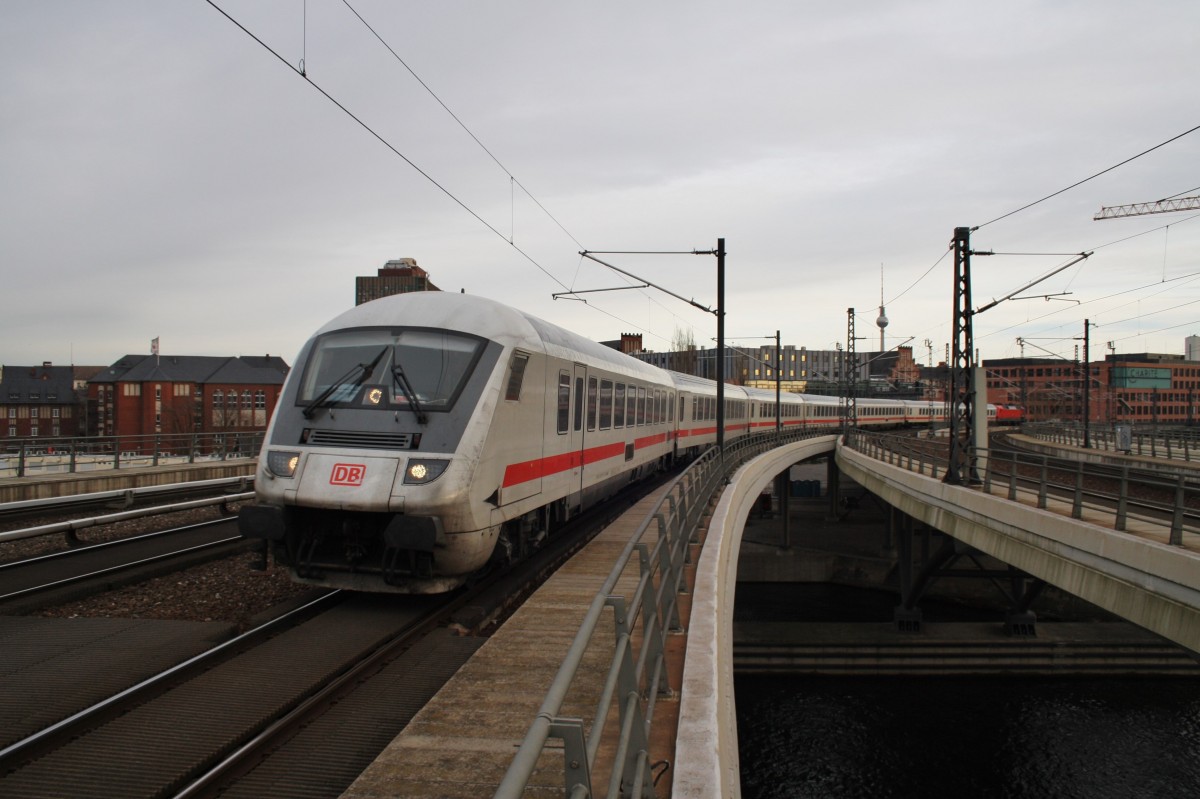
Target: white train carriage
point(875, 412)
point(420, 437)
point(763, 416)
point(419, 434)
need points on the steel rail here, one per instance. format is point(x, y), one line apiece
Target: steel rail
point(124, 495)
point(22, 750)
point(78, 578)
point(74, 525)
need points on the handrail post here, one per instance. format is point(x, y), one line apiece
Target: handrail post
point(1012, 478)
point(1077, 504)
point(1042, 488)
point(1122, 501)
point(576, 769)
point(1177, 517)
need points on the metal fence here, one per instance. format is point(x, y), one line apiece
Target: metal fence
point(1177, 443)
point(25, 457)
point(636, 675)
point(1121, 492)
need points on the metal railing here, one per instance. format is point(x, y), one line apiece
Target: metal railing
point(1182, 444)
point(636, 675)
point(28, 456)
point(1125, 493)
point(233, 489)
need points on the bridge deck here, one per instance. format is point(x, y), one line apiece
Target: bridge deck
point(1139, 527)
point(463, 741)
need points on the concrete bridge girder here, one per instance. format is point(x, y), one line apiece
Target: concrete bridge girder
point(1153, 585)
point(706, 743)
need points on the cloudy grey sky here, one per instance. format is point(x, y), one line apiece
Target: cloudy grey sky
point(163, 174)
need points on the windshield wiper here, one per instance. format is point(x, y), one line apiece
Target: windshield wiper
point(401, 380)
point(344, 380)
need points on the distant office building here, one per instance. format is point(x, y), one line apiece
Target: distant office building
point(799, 370)
point(1142, 387)
point(396, 277)
point(1191, 348)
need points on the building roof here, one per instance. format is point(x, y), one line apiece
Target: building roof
point(266, 369)
point(33, 385)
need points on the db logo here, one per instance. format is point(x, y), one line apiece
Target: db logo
point(347, 474)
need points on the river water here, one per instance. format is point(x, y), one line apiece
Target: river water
point(957, 737)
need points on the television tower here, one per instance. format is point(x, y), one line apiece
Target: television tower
point(882, 321)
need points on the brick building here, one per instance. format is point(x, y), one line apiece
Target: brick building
point(43, 401)
point(150, 394)
point(396, 277)
point(1138, 388)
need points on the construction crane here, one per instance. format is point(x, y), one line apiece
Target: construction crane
point(1157, 207)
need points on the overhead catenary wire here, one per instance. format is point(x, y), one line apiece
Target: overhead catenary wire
point(412, 164)
point(1085, 180)
point(461, 124)
point(513, 181)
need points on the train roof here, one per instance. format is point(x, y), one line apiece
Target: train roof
point(491, 320)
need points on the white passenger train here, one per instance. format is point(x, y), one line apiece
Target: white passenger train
point(420, 436)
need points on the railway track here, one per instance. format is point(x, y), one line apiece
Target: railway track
point(155, 738)
point(298, 712)
point(34, 582)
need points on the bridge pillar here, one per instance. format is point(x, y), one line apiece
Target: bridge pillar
point(833, 488)
point(906, 615)
point(783, 489)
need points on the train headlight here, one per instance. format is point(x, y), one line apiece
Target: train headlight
point(420, 472)
point(281, 463)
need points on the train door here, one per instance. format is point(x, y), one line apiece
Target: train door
point(576, 434)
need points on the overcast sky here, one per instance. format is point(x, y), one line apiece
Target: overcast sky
point(162, 174)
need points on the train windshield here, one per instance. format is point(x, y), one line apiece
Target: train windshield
point(423, 370)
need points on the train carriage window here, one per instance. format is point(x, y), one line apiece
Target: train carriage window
point(592, 399)
point(641, 406)
point(619, 406)
point(671, 407)
point(606, 404)
point(578, 404)
point(516, 376)
point(564, 402)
